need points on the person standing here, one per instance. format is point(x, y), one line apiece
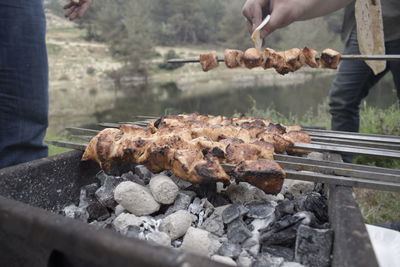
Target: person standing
point(24, 78)
point(354, 79)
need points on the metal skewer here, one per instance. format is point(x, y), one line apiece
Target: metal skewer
point(342, 57)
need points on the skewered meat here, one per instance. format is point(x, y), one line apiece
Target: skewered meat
point(194, 146)
point(280, 144)
point(330, 59)
point(271, 58)
point(233, 58)
point(209, 61)
point(294, 59)
point(191, 166)
point(310, 57)
point(297, 137)
point(252, 58)
point(283, 61)
point(264, 174)
point(288, 61)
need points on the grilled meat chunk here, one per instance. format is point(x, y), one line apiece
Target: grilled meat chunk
point(310, 57)
point(209, 61)
point(264, 174)
point(294, 59)
point(253, 58)
point(330, 59)
point(271, 58)
point(297, 137)
point(192, 166)
point(280, 144)
point(233, 58)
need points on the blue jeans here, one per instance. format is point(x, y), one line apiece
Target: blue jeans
point(23, 81)
point(352, 84)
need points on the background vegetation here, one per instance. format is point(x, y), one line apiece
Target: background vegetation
point(132, 29)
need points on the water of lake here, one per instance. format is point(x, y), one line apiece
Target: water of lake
point(223, 98)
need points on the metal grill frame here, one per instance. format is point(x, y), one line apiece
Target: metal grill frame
point(32, 234)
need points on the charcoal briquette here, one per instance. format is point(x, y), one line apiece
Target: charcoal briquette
point(230, 249)
point(143, 173)
point(238, 231)
point(260, 209)
point(313, 246)
point(233, 212)
point(279, 251)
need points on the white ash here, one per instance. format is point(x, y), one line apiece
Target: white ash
point(124, 220)
point(224, 260)
point(194, 219)
point(176, 224)
point(245, 193)
point(298, 188)
point(159, 238)
point(135, 198)
point(119, 209)
point(75, 212)
point(244, 259)
point(292, 264)
point(199, 241)
point(163, 189)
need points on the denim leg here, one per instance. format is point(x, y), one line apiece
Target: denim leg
point(23, 81)
point(352, 83)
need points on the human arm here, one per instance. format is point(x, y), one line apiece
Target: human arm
point(285, 12)
point(77, 8)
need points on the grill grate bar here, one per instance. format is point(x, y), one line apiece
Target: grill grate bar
point(342, 165)
point(358, 143)
point(353, 150)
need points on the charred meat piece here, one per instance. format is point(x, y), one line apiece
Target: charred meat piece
point(330, 59)
point(101, 148)
point(159, 155)
point(294, 59)
point(233, 58)
point(310, 57)
point(281, 66)
point(271, 58)
point(210, 171)
point(264, 174)
point(209, 61)
point(275, 128)
point(266, 149)
point(280, 144)
point(297, 137)
point(236, 153)
point(191, 166)
point(253, 58)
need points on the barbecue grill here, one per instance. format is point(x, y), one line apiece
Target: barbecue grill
point(33, 234)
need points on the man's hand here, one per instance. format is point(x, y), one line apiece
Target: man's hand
point(77, 8)
point(283, 13)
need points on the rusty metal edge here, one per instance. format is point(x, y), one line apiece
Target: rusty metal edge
point(352, 245)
